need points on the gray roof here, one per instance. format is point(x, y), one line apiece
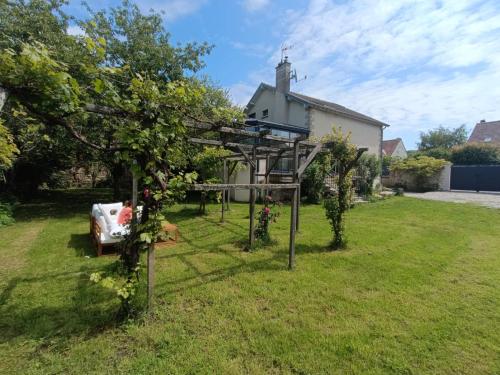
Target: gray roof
point(484, 131)
point(326, 106)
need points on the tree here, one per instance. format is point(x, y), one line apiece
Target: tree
point(442, 137)
point(345, 157)
point(476, 153)
point(144, 118)
point(7, 150)
point(142, 41)
point(124, 37)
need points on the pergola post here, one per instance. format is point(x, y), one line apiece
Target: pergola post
point(224, 191)
point(296, 179)
point(268, 162)
point(252, 199)
point(151, 274)
point(293, 224)
point(151, 247)
point(229, 191)
point(295, 206)
point(134, 192)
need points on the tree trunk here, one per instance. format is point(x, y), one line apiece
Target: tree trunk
point(3, 97)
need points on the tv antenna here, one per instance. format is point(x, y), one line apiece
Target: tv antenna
point(293, 76)
point(284, 48)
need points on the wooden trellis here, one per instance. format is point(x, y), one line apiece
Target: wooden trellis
point(250, 147)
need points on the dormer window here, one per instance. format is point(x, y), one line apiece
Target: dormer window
point(265, 113)
point(487, 139)
point(251, 115)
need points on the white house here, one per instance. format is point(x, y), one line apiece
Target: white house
point(290, 114)
point(394, 148)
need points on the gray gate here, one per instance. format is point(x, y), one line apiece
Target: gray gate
point(475, 177)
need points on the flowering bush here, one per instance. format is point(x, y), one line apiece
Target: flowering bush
point(269, 213)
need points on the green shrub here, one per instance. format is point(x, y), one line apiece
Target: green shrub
point(437, 153)
point(313, 183)
point(476, 153)
point(386, 165)
point(421, 167)
point(6, 213)
point(368, 170)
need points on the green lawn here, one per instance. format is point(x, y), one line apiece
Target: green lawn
point(416, 292)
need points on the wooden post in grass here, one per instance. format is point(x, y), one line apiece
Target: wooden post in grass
point(134, 193)
point(224, 191)
point(252, 199)
point(293, 225)
point(295, 206)
point(296, 179)
point(151, 247)
point(151, 274)
point(268, 163)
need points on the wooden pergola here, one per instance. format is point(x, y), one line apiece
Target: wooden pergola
point(249, 147)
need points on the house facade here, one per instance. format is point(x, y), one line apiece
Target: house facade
point(289, 114)
point(394, 148)
point(486, 132)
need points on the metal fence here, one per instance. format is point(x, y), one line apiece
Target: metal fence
point(475, 177)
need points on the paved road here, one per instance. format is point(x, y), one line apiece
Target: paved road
point(483, 199)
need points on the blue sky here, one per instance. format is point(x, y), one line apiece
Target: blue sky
point(413, 64)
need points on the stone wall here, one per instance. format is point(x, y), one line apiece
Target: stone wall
point(440, 181)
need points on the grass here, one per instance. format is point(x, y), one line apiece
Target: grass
point(415, 292)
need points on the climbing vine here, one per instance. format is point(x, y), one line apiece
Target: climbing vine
point(267, 215)
point(344, 156)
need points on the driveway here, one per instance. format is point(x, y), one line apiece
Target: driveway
point(483, 199)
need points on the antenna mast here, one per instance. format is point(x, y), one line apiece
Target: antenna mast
point(284, 48)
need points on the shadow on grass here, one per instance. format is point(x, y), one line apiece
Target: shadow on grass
point(82, 244)
point(278, 262)
point(86, 312)
point(302, 248)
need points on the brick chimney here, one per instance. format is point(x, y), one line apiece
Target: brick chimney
point(283, 71)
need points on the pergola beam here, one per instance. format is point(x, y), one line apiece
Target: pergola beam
point(213, 142)
point(271, 167)
point(309, 159)
point(206, 187)
point(245, 155)
point(248, 133)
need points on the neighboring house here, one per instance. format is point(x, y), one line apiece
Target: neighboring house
point(394, 148)
point(486, 132)
point(290, 114)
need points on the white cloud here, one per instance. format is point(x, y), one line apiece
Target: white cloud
point(173, 9)
point(240, 93)
point(412, 64)
point(253, 49)
point(255, 5)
